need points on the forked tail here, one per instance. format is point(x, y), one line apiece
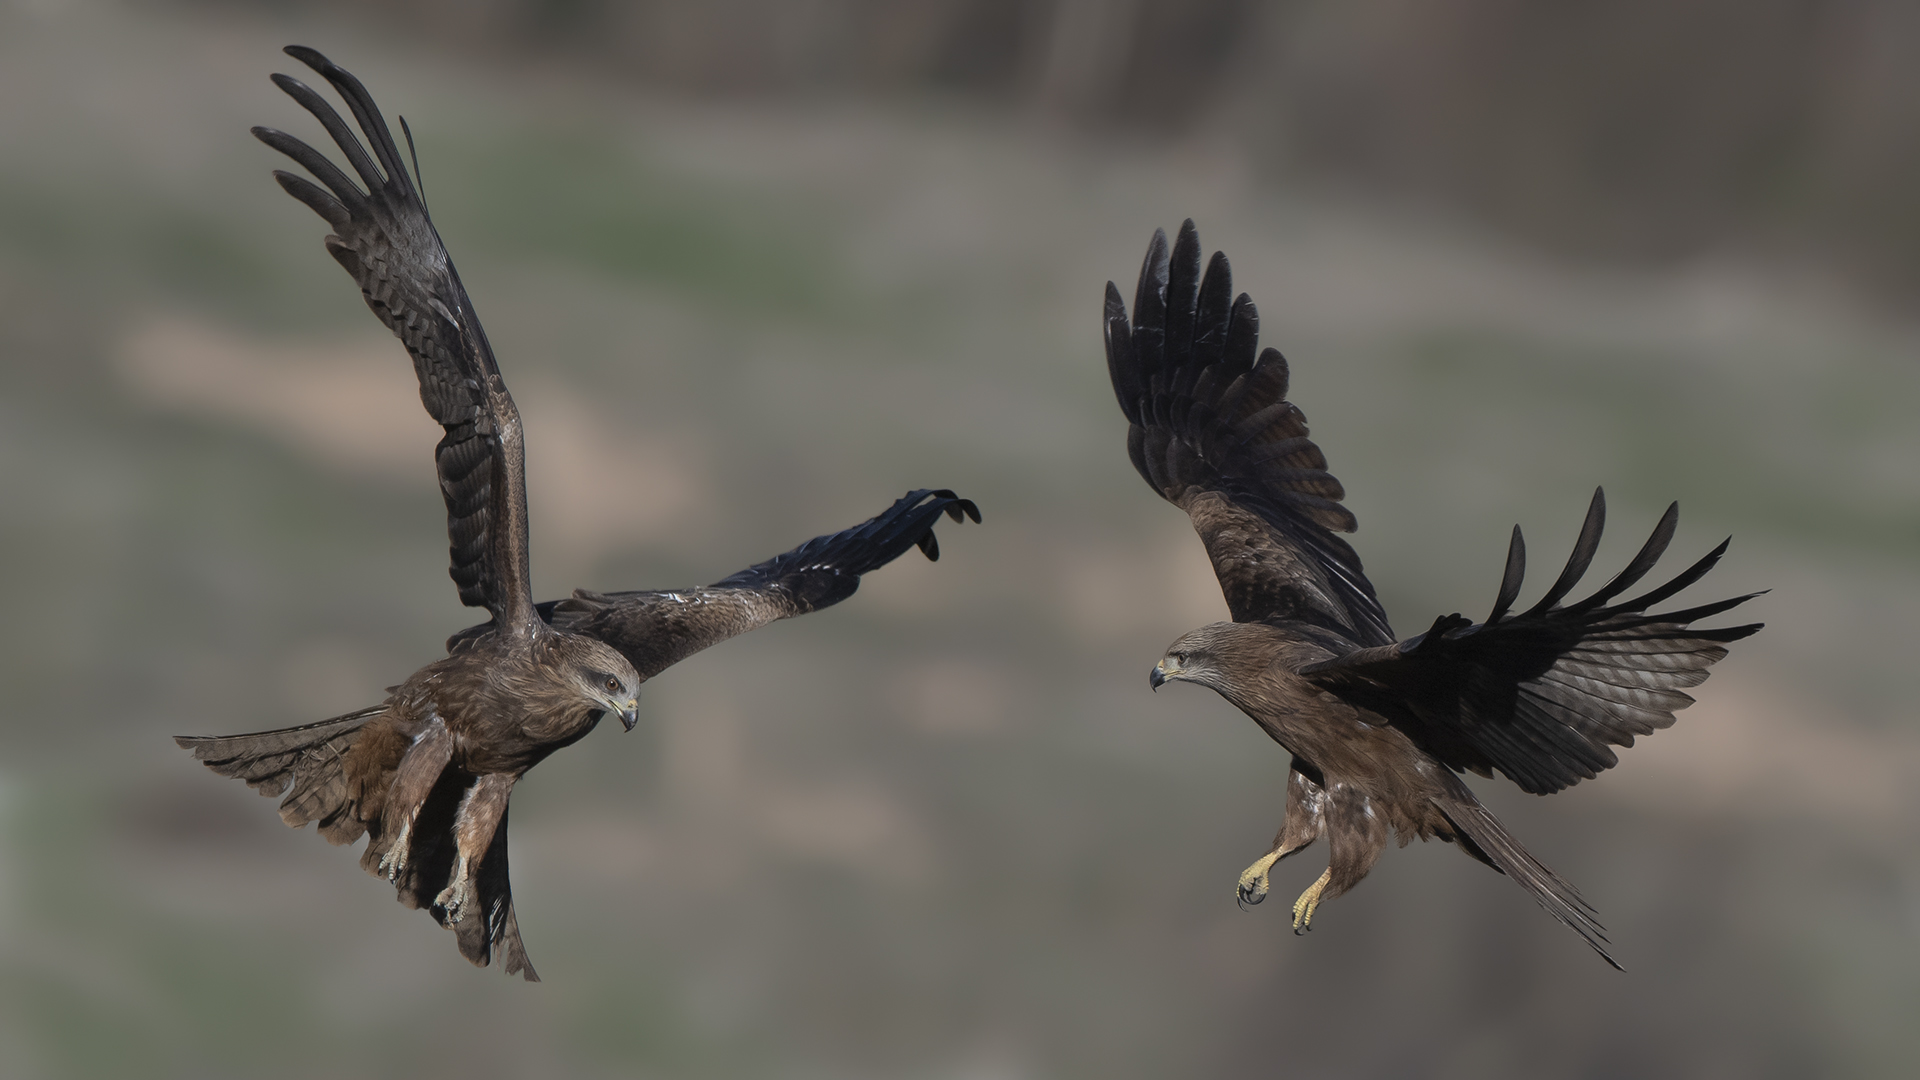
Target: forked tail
point(1551, 891)
point(308, 759)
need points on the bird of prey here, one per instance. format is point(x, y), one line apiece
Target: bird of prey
point(1378, 728)
point(427, 773)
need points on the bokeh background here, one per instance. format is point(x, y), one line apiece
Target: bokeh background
point(753, 269)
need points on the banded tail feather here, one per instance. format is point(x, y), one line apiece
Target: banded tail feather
point(306, 763)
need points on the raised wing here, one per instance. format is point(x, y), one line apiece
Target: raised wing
point(657, 629)
point(1212, 432)
point(1544, 694)
point(386, 241)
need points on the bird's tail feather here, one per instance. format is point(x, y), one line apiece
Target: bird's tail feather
point(306, 759)
point(1505, 853)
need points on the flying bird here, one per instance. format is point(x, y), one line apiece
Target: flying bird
point(1379, 729)
point(426, 775)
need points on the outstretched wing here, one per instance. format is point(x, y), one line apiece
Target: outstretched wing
point(1544, 694)
point(1213, 433)
point(384, 238)
point(658, 629)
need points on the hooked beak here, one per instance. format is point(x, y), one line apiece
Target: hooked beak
point(1161, 672)
point(630, 715)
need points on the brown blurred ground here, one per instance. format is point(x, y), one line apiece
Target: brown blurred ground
point(942, 830)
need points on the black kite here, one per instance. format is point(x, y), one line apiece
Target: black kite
point(427, 773)
point(1378, 728)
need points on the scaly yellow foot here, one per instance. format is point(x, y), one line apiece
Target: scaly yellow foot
point(1253, 880)
point(1303, 907)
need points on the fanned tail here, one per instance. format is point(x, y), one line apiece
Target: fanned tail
point(308, 759)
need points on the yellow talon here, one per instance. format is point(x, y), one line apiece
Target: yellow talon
point(1253, 880)
point(1303, 907)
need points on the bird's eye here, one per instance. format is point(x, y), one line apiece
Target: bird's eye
point(1180, 658)
point(613, 685)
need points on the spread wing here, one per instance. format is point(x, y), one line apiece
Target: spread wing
point(386, 241)
point(1544, 694)
point(1213, 433)
point(657, 629)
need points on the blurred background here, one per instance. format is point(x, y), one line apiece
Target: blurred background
point(762, 266)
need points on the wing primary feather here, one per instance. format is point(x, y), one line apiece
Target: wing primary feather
point(1213, 321)
point(310, 100)
point(1582, 557)
point(1650, 553)
point(419, 183)
point(1690, 614)
point(316, 198)
point(1121, 365)
point(1243, 337)
point(314, 162)
point(363, 108)
point(1150, 311)
point(1510, 580)
point(1183, 286)
point(1685, 578)
point(867, 546)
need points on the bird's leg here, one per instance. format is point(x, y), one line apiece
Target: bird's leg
point(479, 815)
point(1302, 825)
point(413, 781)
point(1303, 907)
point(1253, 880)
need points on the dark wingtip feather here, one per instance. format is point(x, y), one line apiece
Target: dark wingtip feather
point(1183, 287)
point(1584, 549)
point(327, 206)
point(366, 112)
point(1680, 581)
point(1122, 364)
point(1641, 563)
point(865, 547)
point(1149, 304)
point(309, 56)
point(414, 153)
point(1511, 578)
